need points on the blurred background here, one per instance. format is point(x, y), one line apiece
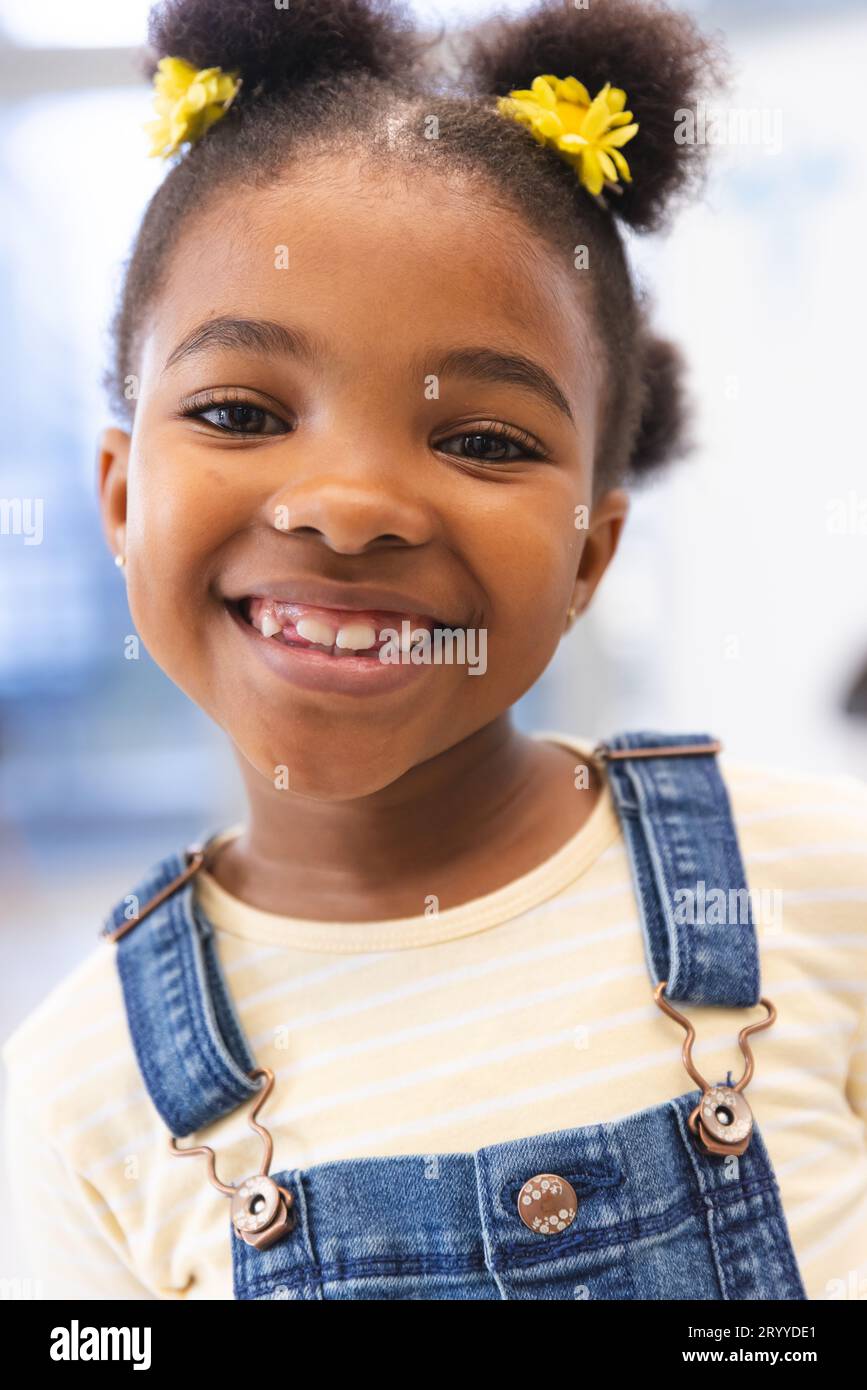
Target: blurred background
point(736, 604)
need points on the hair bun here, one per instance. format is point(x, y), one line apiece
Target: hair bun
point(664, 431)
point(278, 47)
point(659, 58)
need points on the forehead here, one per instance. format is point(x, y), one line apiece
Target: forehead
point(380, 265)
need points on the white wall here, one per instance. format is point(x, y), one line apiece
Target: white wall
point(734, 605)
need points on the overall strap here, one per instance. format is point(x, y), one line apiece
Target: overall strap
point(689, 877)
point(192, 1052)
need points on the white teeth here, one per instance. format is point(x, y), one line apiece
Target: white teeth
point(270, 626)
point(357, 637)
point(313, 630)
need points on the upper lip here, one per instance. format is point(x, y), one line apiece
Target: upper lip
point(322, 593)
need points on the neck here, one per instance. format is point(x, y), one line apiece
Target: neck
point(382, 855)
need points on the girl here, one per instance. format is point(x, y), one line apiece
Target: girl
point(385, 382)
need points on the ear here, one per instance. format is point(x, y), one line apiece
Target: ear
point(605, 525)
point(112, 462)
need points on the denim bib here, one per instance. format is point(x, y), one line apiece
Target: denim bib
point(661, 1204)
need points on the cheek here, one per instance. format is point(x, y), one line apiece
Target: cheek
point(176, 522)
point(526, 559)
point(532, 558)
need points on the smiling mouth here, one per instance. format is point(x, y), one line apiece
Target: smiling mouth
point(335, 632)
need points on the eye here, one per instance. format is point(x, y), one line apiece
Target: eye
point(235, 415)
point(242, 419)
point(491, 443)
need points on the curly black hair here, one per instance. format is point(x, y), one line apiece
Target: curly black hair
point(329, 75)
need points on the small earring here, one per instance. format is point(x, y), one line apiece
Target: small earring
point(120, 560)
point(572, 614)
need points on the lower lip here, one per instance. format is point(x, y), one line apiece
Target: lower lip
point(312, 670)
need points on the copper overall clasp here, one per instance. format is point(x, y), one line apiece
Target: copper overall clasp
point(262, 1211)
point(722, 1122)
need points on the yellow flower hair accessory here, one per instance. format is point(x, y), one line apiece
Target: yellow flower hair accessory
point(187, 101)
point(588, 132)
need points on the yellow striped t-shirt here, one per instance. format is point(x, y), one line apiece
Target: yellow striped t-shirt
point(524, 1011)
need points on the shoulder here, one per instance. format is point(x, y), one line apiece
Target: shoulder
point(803, 840)
point(71, 1059)
point(801, 804)
point(71, 1005)
point(74, 1051)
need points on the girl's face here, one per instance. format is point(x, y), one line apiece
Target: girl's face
point(364, 400)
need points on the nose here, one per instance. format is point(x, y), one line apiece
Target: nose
point(352, 512)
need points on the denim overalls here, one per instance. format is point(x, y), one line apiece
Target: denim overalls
point(637, 1208)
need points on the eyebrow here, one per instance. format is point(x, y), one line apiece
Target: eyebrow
point(262, 336)
point(268, 338)
point(486, 365)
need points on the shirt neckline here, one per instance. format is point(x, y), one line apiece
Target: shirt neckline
point(231, 915)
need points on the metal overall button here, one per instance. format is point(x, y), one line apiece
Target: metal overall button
point(722, 1122)
point(262, 1211)
point(725, 1115)
point(547, 1204)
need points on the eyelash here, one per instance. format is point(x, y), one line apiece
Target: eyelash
point(527, 446)
point(216, 400)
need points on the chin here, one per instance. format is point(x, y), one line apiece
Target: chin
point(322, 768)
